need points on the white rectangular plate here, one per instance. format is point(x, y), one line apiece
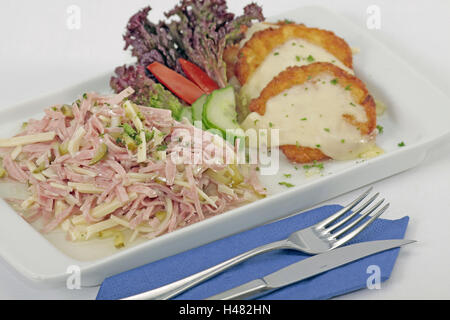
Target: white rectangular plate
point(417, 114)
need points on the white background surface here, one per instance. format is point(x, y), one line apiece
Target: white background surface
point(39, 54)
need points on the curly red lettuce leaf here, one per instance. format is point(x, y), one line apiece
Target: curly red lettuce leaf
point(147, 92)
point(196, 30)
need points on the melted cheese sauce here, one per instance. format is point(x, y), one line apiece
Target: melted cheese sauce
point(310, 115)
point(295, 52)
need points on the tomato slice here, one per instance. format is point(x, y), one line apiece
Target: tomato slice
point(175, 82)
point(198, 76)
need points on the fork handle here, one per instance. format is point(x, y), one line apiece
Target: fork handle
point(175, 288)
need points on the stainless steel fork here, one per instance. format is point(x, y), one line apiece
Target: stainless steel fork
point(319, 238)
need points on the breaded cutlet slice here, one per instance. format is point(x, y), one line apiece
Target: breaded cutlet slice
point(295, 76)
point(255, 51)
point(230, 54)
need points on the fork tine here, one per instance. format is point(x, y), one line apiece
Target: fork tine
point(358, 230)
point(344, 210)
point(350, 216)
point(357, 221)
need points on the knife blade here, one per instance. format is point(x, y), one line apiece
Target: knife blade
point(308, 267)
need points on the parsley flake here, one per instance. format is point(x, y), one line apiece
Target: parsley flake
point(380, 129)
point(286, 184)
point(315, 164)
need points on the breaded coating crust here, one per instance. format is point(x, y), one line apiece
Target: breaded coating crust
point(294, 76)
point(254, 52)
point(303, 154)
point(230, 53)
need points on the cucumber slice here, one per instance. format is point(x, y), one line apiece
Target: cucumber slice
point(219, 111)
point(186, 113)
point(197, 108)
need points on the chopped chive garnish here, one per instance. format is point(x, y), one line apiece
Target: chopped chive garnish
point(310, 58)
point(270, 124)
point(380, 129)
point(298, 58)
point(286, 184)
point(138, 140)
point(287, 175)
point(303, 119)
point(276, 53)
point(129, 130)
point(149, 135)
point(401, 144)
point(161, 147)
point(318, 165)
point(334, 81)
point(318, 145)
point(314, 165)
point(352, 104)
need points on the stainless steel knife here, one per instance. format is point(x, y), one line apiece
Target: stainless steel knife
point(307, 268)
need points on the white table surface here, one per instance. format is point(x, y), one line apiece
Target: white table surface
point(39, 54)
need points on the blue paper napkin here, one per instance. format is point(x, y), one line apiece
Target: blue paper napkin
point(335, 282)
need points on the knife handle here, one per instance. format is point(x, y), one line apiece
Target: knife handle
point(175, 288)
point(245, 291)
